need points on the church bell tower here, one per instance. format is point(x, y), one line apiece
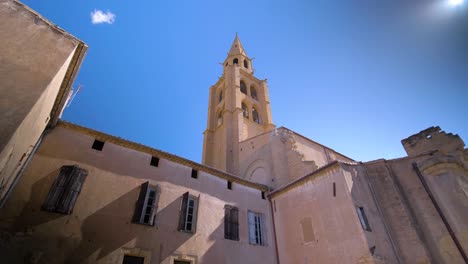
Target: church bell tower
point(239, 108)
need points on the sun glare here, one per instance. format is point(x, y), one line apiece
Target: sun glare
point(455, 2)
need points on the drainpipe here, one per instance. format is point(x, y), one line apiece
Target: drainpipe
point(23, 168)
point(441, 214)
point(274, 230)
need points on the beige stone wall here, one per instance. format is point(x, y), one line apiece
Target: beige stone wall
point(100, 230)
point(417, 230)
point(316, 225)
point(34, 59)
point(284, 156)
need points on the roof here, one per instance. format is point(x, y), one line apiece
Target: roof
point(160, 154)
point(236, 48)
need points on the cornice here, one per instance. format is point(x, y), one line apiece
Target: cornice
point(160, 154)
point(67, 82)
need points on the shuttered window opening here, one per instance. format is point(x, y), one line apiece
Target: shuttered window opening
point(231, 223)
point(188, 213)
point(257, 234)
point(65, 190)
point(146, 206)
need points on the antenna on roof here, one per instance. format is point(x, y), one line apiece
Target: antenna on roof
point(72, 95)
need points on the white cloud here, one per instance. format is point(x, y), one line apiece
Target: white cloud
point(99, 17)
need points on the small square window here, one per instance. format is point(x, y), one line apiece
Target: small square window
point(229, 185)
point(194, 174)
point(154, 161)
point(98, 145)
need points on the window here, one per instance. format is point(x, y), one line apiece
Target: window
point(98, 145)
point(220, 96)
point(65, 189)
point(363, 218)
point(253, 92)
point(231, 223)
point(245, 110)
point(133, 260)
point(146, 206)
point(255, 117)
point(246, 64)
point(263, 195)
point(243, 87)
point(194, 174)
point(235, 61)
point(334, 190)
point(154, 161)
point(256, 229)
point(181, 262)
point(188, 213)
point(229, 185)
point(219, 120)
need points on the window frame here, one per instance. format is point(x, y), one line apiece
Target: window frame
point(363, 218)
point(259, 228)
point(184, 213)
point(253, 94)
point(231, 222)
point(242, 85)
point(256, 116)
point(144, 202)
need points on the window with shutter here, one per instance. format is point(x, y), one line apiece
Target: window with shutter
point(146, 205)
point(65, 190)
point(231, 223)
point(188, 213)
point(256, 229)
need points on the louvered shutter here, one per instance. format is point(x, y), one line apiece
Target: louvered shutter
point(234, 224)
point(73, 186)
point(227, 222)
point(57, 189)
point(195, 216)
point(251, 228)
point(183, 211)
point(263, 229)
point(140, 203)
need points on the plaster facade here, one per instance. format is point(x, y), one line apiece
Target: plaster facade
point(38, 62)
point(100, 228)
point(293, 200)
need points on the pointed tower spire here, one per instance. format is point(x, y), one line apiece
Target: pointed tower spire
point(236, 48)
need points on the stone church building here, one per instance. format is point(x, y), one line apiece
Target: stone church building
point(263, 194)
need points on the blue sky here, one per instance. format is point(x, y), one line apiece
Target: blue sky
point(357, 76)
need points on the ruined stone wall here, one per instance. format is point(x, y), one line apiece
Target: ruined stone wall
point(284, 155)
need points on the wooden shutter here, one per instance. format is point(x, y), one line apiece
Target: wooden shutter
point(227, 222)
point(195, 214)
point(263, 229)
point(70, 192)
point(183, 211)
point(57, 189)
point(252, 228)
point(140, 203)
point(234, 223)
